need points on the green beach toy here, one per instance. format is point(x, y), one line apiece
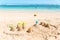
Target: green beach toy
point(19, 24)
point(23, 24)
point(11, 27)
point(37, 21)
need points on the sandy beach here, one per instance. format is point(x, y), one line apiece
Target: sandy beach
point(38, 32)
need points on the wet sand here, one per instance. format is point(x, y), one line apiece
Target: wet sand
point(38, 32)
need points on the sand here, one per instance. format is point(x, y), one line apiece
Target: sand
point(38, 32)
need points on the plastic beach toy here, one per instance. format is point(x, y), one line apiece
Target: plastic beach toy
point(24, 24)
point(19, 24)
point(37, 21)
point(11, 27)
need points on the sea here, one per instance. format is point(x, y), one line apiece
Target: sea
point(31, 7)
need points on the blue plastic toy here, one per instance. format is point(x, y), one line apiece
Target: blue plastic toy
point(37, 21)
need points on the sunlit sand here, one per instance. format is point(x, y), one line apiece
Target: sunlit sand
point(47, 27)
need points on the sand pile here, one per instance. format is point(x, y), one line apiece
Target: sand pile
point(48, 27)
point(38, 32)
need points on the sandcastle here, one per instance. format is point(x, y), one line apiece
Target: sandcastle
point(18, 27)
point(21, 26)
point(38, 25)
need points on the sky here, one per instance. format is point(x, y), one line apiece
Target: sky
point(29, 2)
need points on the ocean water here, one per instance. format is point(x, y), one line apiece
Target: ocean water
point(40, 7)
